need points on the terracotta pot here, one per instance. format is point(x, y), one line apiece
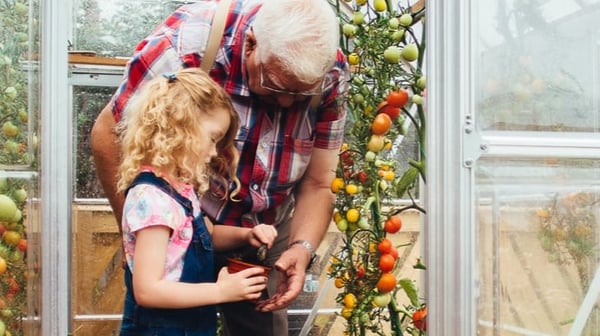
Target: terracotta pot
point(236, 265)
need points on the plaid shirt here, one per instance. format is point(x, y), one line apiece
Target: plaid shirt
point(275, 143)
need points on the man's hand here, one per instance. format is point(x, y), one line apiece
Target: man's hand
point(291, 267)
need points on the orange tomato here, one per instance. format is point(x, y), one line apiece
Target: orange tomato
point(384, 107)
point(381, 124)
point(393, 224)
point(386, 262)
point(384, 246)
point(22, 245)
point(397, 98)
point(386, 283)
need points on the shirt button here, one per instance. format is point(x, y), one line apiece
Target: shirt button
point(264, 145)
point(254, 186)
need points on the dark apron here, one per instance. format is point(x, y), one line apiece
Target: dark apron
point(198, 267)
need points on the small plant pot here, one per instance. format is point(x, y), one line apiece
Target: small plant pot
point(236, 265)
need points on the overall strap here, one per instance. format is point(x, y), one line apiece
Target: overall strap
point(162, 184)
point(215, 35)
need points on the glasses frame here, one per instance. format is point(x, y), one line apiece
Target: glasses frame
point(310, 93)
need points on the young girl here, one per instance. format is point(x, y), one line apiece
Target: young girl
point(179, 132)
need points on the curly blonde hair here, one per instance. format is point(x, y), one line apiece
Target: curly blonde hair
point(162, 129)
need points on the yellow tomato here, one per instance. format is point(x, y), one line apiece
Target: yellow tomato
point(338, 282)
point(351, 189)
point(346, 312)
point(3, 265)
point(337, 216)
point(337, 184)
point(349, 300)
point(388, 175)
point(380, 5)
point(361, 2)
point(353, 59)
point(352, 215)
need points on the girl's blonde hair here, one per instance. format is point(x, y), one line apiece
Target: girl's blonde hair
point(162, 129)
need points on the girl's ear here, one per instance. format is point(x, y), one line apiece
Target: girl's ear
point(249, 43)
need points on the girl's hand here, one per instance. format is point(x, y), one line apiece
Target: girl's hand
point(262, 234)
point(243, 285)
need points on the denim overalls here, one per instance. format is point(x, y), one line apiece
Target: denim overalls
point(198, 267)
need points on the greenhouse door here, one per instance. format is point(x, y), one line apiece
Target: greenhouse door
point(513, 225)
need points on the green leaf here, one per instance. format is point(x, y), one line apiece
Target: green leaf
point(409, 288)
point(406, 181)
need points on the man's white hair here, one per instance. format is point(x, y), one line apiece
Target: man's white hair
point(302, 35)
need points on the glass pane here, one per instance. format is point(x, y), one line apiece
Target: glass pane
point(97, 272)
point(537, 65)
point(538, 233)
point(88, 101)
point(109, 29)
point(19, 184)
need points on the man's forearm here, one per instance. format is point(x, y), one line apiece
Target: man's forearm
point(106, 152)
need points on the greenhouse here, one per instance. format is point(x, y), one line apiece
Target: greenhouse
point(467, 184)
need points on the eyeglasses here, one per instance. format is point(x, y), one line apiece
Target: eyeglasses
point(314, 92)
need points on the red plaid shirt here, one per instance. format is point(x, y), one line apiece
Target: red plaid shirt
point(275, 143)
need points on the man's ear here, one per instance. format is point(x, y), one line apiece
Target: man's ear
point(249, 43)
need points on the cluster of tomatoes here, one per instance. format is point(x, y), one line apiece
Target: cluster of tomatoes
point(364, 269)
point(13, 256)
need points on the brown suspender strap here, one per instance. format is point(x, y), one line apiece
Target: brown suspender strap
point(215, 36)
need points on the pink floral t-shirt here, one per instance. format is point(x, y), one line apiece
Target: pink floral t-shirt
point(147, 205)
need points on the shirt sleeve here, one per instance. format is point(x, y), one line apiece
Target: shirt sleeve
point(147, 206)
point(332, 112)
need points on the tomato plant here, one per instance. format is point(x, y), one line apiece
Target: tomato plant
point(379, 39)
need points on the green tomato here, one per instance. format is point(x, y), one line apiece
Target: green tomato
point(8, 208)
point(410, 52)
point(417, 99)
point(393, 23)
point(398, 35)
point(382, 300)
point(11, 92)
point(421, 82)
point(358, 18)
point(370, 156)
point(406, 19)
point(349, 30)
point(392, 54)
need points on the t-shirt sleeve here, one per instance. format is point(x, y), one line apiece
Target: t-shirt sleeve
point(146, 206)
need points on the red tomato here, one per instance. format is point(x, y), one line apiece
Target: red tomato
point(419, 318)
point(397, 98)
point(384, 107)
point(386, 262)
point(362, 176)
point(384, 246)
point(394, 252)
point(393, 224)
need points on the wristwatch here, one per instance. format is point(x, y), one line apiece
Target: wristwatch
point(309, 247)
